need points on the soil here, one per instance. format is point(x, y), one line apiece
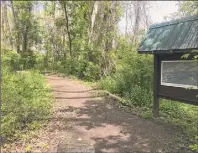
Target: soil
point(79, 114)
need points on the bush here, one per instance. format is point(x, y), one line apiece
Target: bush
point(12, 60)
point(25, 101)
point(133, 79)
point(92, 72)
point(39, 63)
point(80, 68)
point(109, 84)
point(15, 61)
point(140, 96)
point(180, 114)
point(28, 61)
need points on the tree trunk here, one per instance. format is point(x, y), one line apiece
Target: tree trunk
point(93, 17)
point(25, 34)
point(25, 39)
point(52, 38)
point(8, 28)
point(3, 21)
point(64, 50)
point(137, 20)
point(16, 27)
point(126, 27)
point(68, 30)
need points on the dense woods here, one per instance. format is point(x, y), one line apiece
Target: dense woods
point(80, 39)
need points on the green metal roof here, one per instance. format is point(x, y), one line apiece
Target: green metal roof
point(174, 36)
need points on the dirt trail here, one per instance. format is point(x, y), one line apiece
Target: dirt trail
point(106, 126)
point(78, 114)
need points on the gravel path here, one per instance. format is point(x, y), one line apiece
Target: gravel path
point(80, 115)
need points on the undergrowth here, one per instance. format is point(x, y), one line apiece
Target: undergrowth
point(26, 100)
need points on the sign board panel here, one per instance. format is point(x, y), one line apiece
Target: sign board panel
point(180, 73)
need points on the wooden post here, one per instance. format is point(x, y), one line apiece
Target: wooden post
point(155, 87)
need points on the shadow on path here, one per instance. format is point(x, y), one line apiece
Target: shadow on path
point(113, 129)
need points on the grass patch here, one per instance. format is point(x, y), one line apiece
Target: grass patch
point(146, 115)
point(26, 103)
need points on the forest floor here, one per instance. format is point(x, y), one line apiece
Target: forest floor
point(82, 115)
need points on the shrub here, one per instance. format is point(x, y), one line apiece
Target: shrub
point(39, 63)
point(140, 96)
point(12, 60)
point(28, 61)
point(92, 72)
point(25, 101)
point(180, 114)
point(132, 80)
point(109, 84)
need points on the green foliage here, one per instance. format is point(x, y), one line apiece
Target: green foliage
point(180, 114)
point(39, 63)
point(140, 96)
point(26, 101)
point(89, 56)
point(26, 31)
point(146, 115)
point(133, 78)
point(194, 147)
point(16, 62)
point(92, 72)
point(28, 149)
point(28, 62)
point(188, 8)
point(12, 60)
point(110, 84)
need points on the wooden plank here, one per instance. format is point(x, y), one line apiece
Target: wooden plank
point(180, 94)
point(156, 86)
point(176, 93)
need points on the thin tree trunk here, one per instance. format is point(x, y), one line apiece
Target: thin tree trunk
point(25, 34)
point(65, 52)
point(3, 22)
point(16, 28)
point(126, 28)
point(93, 17)
point(137, 19)
point(25, 40)
point(8, 27)
point(6, 32)
point(68, 30)
point(52, 39)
